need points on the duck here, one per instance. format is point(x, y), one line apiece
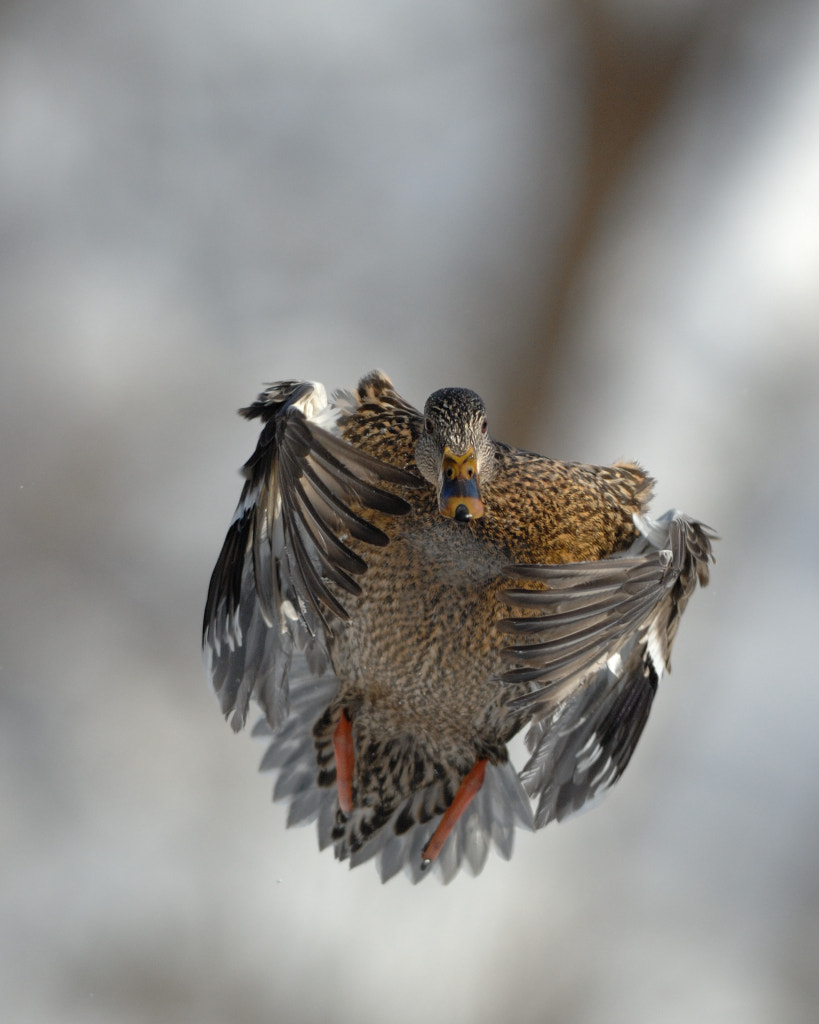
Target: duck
point(401, 595)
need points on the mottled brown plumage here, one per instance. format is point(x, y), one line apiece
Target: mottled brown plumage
point(393, 572)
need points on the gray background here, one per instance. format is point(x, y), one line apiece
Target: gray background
point(604, 217)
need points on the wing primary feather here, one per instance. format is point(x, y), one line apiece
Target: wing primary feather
point(375, 469)
point(367, 494)
point(333, 551)
point(358, 527)
point(313, 589)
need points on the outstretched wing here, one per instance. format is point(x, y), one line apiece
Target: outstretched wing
point(597, 639)
point(289, 539)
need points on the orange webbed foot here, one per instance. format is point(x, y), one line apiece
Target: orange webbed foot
point(345, 762)
point(470, 784)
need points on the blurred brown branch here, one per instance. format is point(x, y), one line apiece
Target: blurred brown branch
point(630, 79)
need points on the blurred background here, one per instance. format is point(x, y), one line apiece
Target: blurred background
point(601, 214)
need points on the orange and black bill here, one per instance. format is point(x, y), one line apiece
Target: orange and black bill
point(459, 496)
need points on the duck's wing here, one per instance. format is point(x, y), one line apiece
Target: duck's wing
point(596, 640)
point(269, 595)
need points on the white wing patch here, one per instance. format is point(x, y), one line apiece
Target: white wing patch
point(318, 410)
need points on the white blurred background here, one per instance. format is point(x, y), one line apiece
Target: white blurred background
point(604, 216)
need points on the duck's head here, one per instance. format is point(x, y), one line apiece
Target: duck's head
point(455, 452)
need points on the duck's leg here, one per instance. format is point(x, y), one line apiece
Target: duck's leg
point(345, 761)
point(470, 784)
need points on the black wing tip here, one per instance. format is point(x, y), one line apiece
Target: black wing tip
point(692, 548)
point(275, 398)
point(226, 579)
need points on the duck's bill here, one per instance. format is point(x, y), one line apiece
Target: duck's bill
point(459, 497)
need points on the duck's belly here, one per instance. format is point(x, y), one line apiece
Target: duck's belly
point(421, 651)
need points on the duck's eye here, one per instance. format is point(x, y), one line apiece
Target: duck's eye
point(484, 427)
point(428, 425)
